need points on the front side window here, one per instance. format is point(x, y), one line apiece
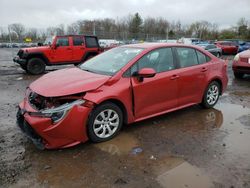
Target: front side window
point(78, 41)
point(187, 57)
point(160, 60)
point(111, 61)
point(62, 41)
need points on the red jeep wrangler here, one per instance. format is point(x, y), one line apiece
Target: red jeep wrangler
point(60, 50)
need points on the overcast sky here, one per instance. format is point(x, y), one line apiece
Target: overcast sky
point(44, 13)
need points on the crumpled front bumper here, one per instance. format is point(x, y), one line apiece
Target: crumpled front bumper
point(28, 130)
point(70, 131)
point(241, 67)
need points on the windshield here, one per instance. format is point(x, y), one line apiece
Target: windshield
point(48, 41)
point(111, 61)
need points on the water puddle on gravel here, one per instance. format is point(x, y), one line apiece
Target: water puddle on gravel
point(183, 175)
point(121, 145)
point(237, 124)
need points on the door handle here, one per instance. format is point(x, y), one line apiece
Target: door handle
point(174, 77)
point(69, 49)
point(203, 69)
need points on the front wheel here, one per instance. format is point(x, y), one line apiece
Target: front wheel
point(104, 122)
point(211, 95)
point(36, 66)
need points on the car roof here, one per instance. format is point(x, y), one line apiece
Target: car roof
point(156, 45)
point(76, 36)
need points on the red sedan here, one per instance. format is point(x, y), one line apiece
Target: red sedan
point(121, 86)
point(241, 64)
point(227, 47)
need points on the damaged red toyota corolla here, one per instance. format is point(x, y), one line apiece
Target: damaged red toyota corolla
point(121, 86)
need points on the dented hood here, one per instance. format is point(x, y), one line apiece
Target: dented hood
point(66, 82)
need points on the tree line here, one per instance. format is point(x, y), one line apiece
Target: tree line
point(132, 27)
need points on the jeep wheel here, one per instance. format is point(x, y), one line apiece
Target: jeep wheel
point(36, 66)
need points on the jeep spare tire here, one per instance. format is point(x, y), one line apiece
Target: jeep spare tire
point(36, 66)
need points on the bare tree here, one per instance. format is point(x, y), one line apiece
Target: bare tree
point(19, 29)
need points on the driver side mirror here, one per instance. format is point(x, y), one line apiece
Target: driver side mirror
point(145, 73)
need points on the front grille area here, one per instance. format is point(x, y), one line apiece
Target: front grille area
point(245, 69)
point(244, 60)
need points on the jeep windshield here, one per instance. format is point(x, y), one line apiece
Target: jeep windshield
point(111, 61)
point(48, 41)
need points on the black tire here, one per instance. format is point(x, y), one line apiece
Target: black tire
point(36, 66)
point(24, 67)
point(238, 75)
point(218, 54)
point(208, 101)
point(93, 133)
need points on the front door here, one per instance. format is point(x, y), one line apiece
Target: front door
point(159, 93)
point(63, 51)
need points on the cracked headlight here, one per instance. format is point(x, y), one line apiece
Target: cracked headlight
point(58, 113)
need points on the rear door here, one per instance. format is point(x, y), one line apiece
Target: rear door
point(78, 48)
point(192, 76)
point(159, 93)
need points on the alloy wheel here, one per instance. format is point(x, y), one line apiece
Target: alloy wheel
point(212, 94)
point(106, 123)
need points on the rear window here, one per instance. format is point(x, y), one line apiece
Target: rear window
point(91, 42)
point(62, 41)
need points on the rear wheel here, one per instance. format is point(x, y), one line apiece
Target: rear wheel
point(238, 75)
point(36, 66)
point(211, 95)
point(104, 122)
point(218, 54)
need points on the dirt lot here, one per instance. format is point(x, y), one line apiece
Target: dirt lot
point(192, 147)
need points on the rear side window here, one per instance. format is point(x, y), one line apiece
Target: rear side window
point(187, 57)
point(91, 42)
point(62, 41)
point(78, 41)
point(201, 57)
